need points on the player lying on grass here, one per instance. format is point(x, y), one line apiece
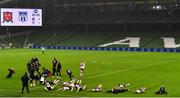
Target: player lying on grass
point(67, 86)
point(140, 90)
point(98, 88)
point(120, 88)
point(71, 85)
point(122, 85)
point(51, 85)
point(161, 90)
point(11, 72)
point(79, 87)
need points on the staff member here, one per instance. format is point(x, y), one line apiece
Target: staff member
point(54, 63)
point(25, 80)
point(59, 70)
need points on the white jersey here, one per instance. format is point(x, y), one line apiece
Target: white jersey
point(43, 49)
point(82, 65)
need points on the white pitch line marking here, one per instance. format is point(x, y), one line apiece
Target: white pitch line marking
point(103, 74)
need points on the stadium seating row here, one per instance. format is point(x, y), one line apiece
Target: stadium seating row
point(88, 39)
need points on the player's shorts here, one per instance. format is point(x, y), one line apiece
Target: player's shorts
point(49, 88)
point(82, 69)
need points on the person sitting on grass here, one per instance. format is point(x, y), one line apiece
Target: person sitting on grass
point(162, 90)
point(98, 88)
point(11, 72)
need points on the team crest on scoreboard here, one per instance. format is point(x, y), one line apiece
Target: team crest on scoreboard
point(7, 17)
point(23, 16)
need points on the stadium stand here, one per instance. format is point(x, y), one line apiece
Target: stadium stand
point(93, 23)
point(87, 39)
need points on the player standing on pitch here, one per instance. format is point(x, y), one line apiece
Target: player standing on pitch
point(58, 71)
point(82, 68)
point(43, 50)
point(54, 63)
point(25, 80)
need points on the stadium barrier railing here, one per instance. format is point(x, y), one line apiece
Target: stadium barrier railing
point(108, 48)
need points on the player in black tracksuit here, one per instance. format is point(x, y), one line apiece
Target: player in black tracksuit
point(11, 72)
point(54, 62)
point(33, 60)
point(69, 72)
point(37, 66)
point(25, 80)
point(58, 72)
point(31, 73)
point(161, 91)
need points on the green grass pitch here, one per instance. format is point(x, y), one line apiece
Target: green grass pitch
point(140, 69)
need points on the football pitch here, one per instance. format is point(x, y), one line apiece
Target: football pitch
point(140, 69)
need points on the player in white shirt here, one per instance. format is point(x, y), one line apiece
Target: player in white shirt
point(43, 49)
point(82, 68)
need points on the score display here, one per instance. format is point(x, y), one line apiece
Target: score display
point(21, 17)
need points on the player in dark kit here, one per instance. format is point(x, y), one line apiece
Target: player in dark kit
point(69, 72)
point(11, 72)
point(33, 60)
point(25, 80)
point(162, 90)
point(54, 62)
point(58, 72)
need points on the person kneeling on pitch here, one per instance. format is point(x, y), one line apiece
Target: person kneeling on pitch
point(98, 88)
point(140, 90)
point(162, 90)
point(11, 72)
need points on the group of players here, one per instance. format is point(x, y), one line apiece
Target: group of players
point(34, 74)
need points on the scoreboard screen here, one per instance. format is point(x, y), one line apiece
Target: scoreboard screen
point(21, 17)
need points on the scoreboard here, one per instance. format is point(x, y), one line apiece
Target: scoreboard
point(21, 17)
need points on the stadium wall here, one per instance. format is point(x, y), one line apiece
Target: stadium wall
point(108, 48)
